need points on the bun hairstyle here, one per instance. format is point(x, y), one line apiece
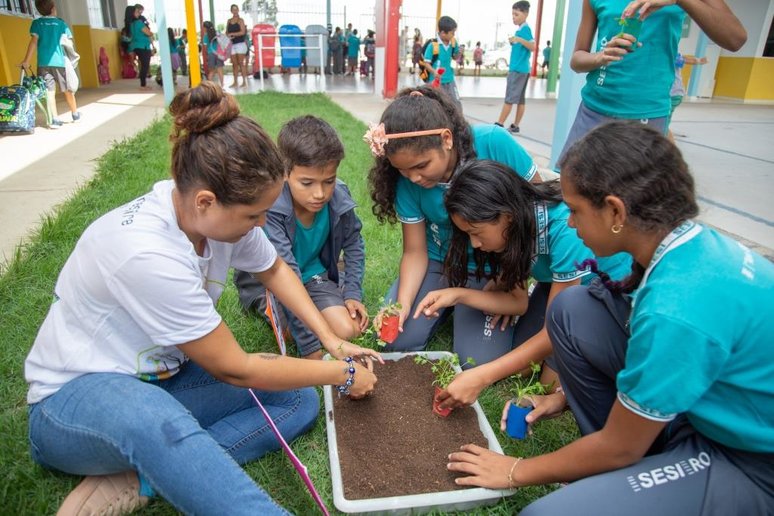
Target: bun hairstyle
point(213, 147)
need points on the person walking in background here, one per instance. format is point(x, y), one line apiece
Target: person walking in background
point(522, 45)
point(182, 44)
point(440, 53)
point(236, 31)
point(546, 58)
point(369, 50)
point(140, 43)
point(353, 52)
point(214, 62)
point(460, 59)
point(615, 65)
point(416, 53)
point(345, 46)
point(46, 35)
point(478, 59)
point(335, 42)
point(677, 92)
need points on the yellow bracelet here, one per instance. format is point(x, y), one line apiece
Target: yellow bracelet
point(510, 473)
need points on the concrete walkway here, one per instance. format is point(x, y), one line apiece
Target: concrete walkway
point(728, 147)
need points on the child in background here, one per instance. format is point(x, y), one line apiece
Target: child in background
point(214, 63)
point(353, 51)
point(546, 58)
point(673, 395)
point(518, 231)
point(419, 145)
point(181, 47)
point(311, 225)
point(153, 380)
point(677, 92)
point(440, 53)
point(615, 71)
point(416, 53)
point(45, 35)
point(478, 59)
point(369, 51)
point(522, 45)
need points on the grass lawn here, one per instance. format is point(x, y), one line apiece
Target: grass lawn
point(127, 171)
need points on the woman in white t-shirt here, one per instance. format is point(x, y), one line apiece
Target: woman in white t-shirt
point(135, 380)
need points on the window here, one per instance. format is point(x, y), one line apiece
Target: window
point(18, 6)
point(95, 13)
point(109, 14)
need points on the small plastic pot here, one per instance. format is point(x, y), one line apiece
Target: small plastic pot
point(436, 409)
point(516, 424)
point(389, 330)
point(633, 28)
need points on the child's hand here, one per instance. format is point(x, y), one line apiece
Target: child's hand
point(365, 380)
point(614, 51)
point(462, 391)
point(435, 301)
point(365, 356)
point(545, 407)
point(357, 311)
point(645, 7)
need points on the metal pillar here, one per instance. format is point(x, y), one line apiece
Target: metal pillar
point(701, 51)
point(166, 53)
point(212, 12)
point(533, 70)
point(193, 47)
point(572, 83)
point(553, 68)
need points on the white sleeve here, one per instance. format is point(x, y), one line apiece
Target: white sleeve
point(164, 295)
point(254, 252)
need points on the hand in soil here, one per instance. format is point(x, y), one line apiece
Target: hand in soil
point(463, 390)
point(365, 381)
point(435, 301)
point(481, 467)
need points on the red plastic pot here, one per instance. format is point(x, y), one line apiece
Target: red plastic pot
point(389, 331)
point(436, 409)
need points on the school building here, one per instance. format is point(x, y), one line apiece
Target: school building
point(747, 75)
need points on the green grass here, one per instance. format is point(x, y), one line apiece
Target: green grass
point(127, 171)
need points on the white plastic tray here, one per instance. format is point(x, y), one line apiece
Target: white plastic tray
point(458, 500)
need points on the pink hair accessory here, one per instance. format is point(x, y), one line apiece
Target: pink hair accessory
point(377, 138)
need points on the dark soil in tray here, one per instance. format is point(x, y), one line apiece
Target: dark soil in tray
point(391, 444)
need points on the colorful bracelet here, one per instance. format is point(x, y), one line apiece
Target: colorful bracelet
point(344, 389)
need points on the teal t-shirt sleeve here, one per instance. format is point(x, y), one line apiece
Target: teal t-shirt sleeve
point(407, 204)
point(566, 250)
point(525, 33)
point(669, 367)
point(429, 53)
point(504, 149)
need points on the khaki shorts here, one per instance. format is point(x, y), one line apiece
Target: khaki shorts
point(53, 75)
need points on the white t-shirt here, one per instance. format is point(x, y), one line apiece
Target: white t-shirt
point(132, 290)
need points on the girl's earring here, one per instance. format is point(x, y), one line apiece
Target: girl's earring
point(616, 228)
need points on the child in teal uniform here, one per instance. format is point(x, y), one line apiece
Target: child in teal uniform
point(674, 396)
point(447, 51)
point(518, 231)
point(630, 79)
point(522, 45)
point(46, 34)
point(419, 146)
point(311, 225)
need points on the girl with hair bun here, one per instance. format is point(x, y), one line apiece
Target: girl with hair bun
point(419, 145)
point(134, 376)
point(673, 394)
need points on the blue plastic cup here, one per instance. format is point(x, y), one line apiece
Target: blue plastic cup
point(516, 424)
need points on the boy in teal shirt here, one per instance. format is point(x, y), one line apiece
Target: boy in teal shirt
point(46, 35)
point(522, 45)
point(440, 53)
point(312, 224)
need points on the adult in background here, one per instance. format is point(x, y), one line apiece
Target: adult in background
point(236, 31)
point(140, 42)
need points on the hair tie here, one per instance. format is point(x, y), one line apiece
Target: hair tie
point(416, 93)
point(377, 138)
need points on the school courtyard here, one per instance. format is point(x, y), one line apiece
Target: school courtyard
point(727, 145)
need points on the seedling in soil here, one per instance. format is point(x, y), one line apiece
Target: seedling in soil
point(390, 320)
point(521, 389)
point(444, 371)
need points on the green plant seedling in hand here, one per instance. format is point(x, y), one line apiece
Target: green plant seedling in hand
point(388, 323)
point(522, 389)
point(632, 27)
point(444, 372)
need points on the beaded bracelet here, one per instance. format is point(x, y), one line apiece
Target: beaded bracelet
point(344, 389)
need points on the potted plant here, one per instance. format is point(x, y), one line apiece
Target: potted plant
point(388, 328)
point(444, 371)
point(631, 26)
point(521, 389)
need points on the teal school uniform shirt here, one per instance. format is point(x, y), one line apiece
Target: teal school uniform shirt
point(139, 38)
point(444, 59)
point(559, 250)
point(415, 204)
point(519, 53)
point(49, 30)
point(308, 244)
point(353, 47)
point(637, 86)
point(702, 326)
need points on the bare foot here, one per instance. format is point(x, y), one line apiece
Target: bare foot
point(234, 85)
point(145, 88)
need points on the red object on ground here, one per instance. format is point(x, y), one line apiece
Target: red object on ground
point(437, 79)
point(436, 409)
point(389, 330)
point(268, 42)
